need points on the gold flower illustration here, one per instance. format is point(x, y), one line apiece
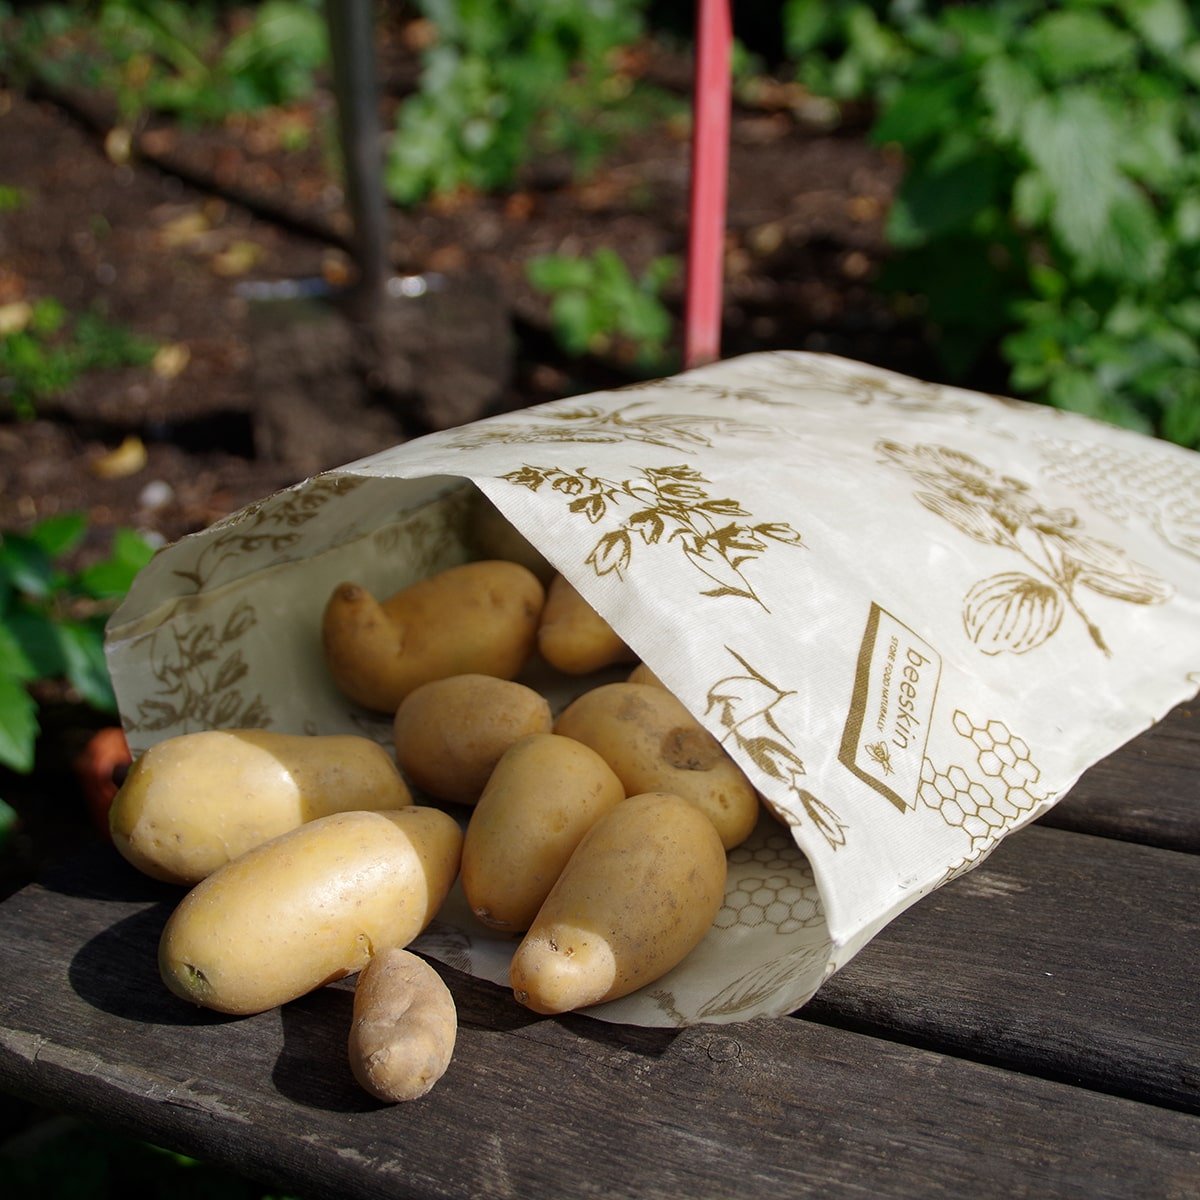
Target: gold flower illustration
point(671, 504)
point(198, 673)
point(1015, 611)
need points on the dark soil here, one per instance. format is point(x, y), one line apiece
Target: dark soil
point(270, 392)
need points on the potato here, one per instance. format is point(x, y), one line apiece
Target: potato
point(478, 618)
point(309, 907)
point(494, 536)
point(642, 674)
point(544, 795)
point(638, 895)
point(404, 1026)
point(193, 802)
point(451, 733)
point(573, 636)
point(654, 744)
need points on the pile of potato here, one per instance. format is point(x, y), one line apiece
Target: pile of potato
point(600, 837)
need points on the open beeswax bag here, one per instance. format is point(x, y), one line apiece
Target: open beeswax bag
point(912, 614)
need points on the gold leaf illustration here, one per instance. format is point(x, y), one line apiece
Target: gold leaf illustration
point(1011, 612)
point(759, 985)
point(976, 522)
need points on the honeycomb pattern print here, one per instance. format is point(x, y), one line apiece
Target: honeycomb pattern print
point(983, 808)
point(1159, 488)
point(770, 883)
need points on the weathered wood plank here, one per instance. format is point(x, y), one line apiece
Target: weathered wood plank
point(1148, 791)
point(540, 1107)
point(1066, 955)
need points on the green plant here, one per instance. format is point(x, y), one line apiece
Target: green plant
point(45, 352)
point(1050, 204)
point(168, 56)
point(52, 622)
point(598, 307)
point(501, 83)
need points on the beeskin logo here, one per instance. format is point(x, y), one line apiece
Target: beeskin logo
point(896, 680)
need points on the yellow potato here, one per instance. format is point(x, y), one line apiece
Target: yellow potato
point(309, 907)
point(193, 802)
point(573, 636)
point(404, 1026)
point(642, 674)
point(638, 895)
point(494, 536)
point(451, 733)
point(654, 744)
point(478, 618)
point(544, 795)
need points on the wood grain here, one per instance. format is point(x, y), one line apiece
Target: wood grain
point(1066, 955)
point(537, 1107)
point(1148, 791)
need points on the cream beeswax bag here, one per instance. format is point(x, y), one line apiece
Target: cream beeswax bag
point(913, 615)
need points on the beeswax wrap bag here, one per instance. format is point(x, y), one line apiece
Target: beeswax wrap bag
point(912, 614)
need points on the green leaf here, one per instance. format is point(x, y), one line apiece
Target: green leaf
point(924, 108)
point(83, 649)
point(806, 23)
point(1164, 24)
point(573, 321)
point(1008, 87)
point(27, 566)
point(1072, 42)
point(1186, 222)
point(40, 643)
point(1074, 141)
point(932, 204)
point(558, 272)
point(1131, 246)
point(60, 535)
point(15, 662)
point(114, 576)
point(18, 725)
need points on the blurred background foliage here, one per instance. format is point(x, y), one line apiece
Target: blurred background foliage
point(1049, 217)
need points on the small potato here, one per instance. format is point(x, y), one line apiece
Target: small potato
point(494, 536)
point(309, 907)
point(573, 636)
point(404, 1026)
point(544, 795)
point(638, 895)
point(193, 802)
point(654, 744)
point(480, 617)
point(451, 733)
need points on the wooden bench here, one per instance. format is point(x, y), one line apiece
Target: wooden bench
point(1030, 1030)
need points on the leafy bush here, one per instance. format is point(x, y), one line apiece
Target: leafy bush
point(52, 622)
point(1051, 202)
point(598, 307)
point(169, 56)
point(42, 352)
point(503, 82)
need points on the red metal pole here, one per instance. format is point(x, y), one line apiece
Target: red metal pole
point(709, 182)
